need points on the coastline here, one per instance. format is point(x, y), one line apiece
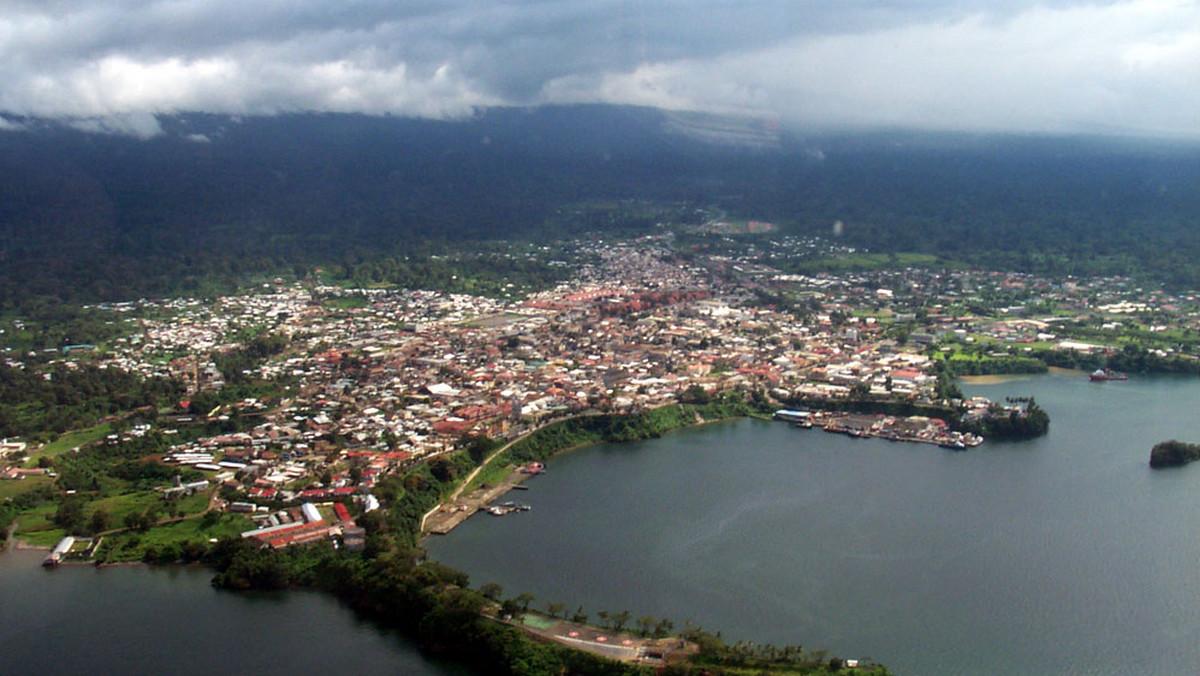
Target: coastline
point(1002, 378)
point(459, 509)
point(8, 538)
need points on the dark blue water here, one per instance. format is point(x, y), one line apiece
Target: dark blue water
point(1064, 555)
point(141, 620)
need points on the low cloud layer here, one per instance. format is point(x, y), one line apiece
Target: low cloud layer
point(1006, 65)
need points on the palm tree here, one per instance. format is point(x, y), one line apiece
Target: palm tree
point(620, 619)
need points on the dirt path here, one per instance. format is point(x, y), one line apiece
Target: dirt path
point(486, 461)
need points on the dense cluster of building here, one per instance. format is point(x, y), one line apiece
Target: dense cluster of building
point(381, 379)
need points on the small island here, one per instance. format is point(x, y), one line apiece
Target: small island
point(1173, 454)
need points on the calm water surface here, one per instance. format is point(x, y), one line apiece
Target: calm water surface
point(1065, 554)
point(140, 620)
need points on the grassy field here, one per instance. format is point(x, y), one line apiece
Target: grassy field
point(491, 475)
point(120, 506)
point(346, 302)
point(37, 529)
point(11, 489)
point(871, 261)
point(133, 546)
point(70, 440)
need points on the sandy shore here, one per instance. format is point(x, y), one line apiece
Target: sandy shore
point(1013, 377)
point(993, 379)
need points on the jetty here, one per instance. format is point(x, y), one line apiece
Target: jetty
point(449, 515)
point(60, 550)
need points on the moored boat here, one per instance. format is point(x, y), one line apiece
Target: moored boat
point(792, 416)
point(1107, 374)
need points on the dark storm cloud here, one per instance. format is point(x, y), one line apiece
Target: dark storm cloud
point(1000, 64)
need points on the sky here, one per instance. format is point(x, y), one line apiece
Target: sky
point(1127, 67)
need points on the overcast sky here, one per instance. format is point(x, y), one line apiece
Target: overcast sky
point(1009, 65)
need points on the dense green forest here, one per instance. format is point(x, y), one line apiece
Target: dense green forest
point(102, 217)
point(39, 405)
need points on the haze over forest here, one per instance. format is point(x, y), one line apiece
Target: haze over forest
point(88, 216)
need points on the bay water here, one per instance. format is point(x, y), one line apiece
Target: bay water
point(143, 620)
point(1064, 554)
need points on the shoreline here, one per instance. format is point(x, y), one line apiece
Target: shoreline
point(995, 378)
point(489, 497)
point(1002, 378)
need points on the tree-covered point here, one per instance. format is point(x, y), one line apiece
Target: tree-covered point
point(1173, 454)
point(646, 424)
point(1026, 421)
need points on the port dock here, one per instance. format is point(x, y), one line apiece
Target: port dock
point(449, 515)
point(918, 429)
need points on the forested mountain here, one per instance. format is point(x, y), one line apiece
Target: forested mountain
point(97, 216)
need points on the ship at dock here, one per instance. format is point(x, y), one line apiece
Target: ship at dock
point(507, 508)
point(893, 428)
point(798, 417)
point(1101, 375)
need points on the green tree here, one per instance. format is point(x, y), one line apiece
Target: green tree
point(509, 608)
point(645, 625)
point(695, 394)
point(491, 591)
point(69, 515)
point(620, 619)
point(443, 470)
point(100, 520)
point(524, 599)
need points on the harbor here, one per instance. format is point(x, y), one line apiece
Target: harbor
point(447, 516)
point(919, 429)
